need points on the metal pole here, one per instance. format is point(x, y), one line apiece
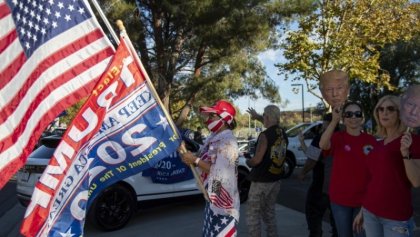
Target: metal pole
point(303, 106)
point(310, 112)
point(249, 120)
point(107, 24)
point(151, 87)
point(303, 101)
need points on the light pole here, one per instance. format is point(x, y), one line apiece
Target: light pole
point(303, 101)
point(310, 112)
point(249, 119)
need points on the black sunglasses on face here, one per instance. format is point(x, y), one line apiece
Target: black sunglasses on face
point(349, 114)
point(388, 108)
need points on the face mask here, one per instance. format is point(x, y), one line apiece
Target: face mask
point(214, 125)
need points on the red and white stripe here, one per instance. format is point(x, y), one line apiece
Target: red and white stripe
point(222, 199)
point(33, 91)
point(229, 230)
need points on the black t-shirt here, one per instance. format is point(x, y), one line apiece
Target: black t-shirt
point(271, 167)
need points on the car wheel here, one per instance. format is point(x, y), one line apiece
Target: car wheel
point(288, 168)
point(113, 208)
point(243, 185)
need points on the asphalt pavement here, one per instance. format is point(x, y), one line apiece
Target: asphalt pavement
point(185, 217)
point(175, 219)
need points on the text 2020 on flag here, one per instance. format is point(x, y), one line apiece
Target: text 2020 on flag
point(120, 131)
point(51, 53)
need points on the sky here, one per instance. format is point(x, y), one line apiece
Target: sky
point(269, 58)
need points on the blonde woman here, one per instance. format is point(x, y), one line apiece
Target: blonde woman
point(387, 205)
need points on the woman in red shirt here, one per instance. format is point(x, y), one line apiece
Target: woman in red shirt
point(348, 149)
point(387, 205)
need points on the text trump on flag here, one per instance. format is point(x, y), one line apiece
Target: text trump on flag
point(120, 131)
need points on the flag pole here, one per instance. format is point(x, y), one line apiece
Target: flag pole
point(152, 88)
point(107, 24)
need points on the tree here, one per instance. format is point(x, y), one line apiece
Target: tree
point(348, 35)
point(401, 61)
point(199, 51)
point(72, 111)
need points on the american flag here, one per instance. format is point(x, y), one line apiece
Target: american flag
point(52, 52)
point(216, 225)
point(120, 131)
point(220, 197)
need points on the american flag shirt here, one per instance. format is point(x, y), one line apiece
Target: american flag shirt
point(222, 213)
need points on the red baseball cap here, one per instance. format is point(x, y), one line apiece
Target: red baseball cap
point(222, 108)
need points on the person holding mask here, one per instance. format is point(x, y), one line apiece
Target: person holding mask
point(394, 167)
point(410, 107)
point(265, 174)
point(218, 161)
point(348, 149)
point(317, 201)
point(410, 116)
point(334, 87)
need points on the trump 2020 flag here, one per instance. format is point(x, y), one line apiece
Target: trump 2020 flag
point(120, 131)
point(52, 53)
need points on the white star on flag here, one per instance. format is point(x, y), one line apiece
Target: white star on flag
point(163, 121)
point(67, 234)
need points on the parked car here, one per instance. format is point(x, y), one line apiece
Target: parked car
point(294, 150)
point(246, 146)
point(114, 206)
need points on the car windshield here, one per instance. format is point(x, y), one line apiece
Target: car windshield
point(43, 152)
point(293, 132)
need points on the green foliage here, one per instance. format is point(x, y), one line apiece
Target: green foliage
point(72, 112)
point(198, 51)
point(348, 35)
point(402, 62)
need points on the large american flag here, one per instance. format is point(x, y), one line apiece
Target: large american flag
point(52, 52)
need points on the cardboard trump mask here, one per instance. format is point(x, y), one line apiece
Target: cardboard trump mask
point(334, 87)
point(410, 107)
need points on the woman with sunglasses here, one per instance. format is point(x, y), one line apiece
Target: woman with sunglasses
point(218, 161)
point(348, 149)
point(387, 205)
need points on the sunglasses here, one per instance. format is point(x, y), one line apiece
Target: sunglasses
point(388, 108)
point(350, 114)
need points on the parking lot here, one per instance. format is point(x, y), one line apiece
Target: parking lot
point(182, 217)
